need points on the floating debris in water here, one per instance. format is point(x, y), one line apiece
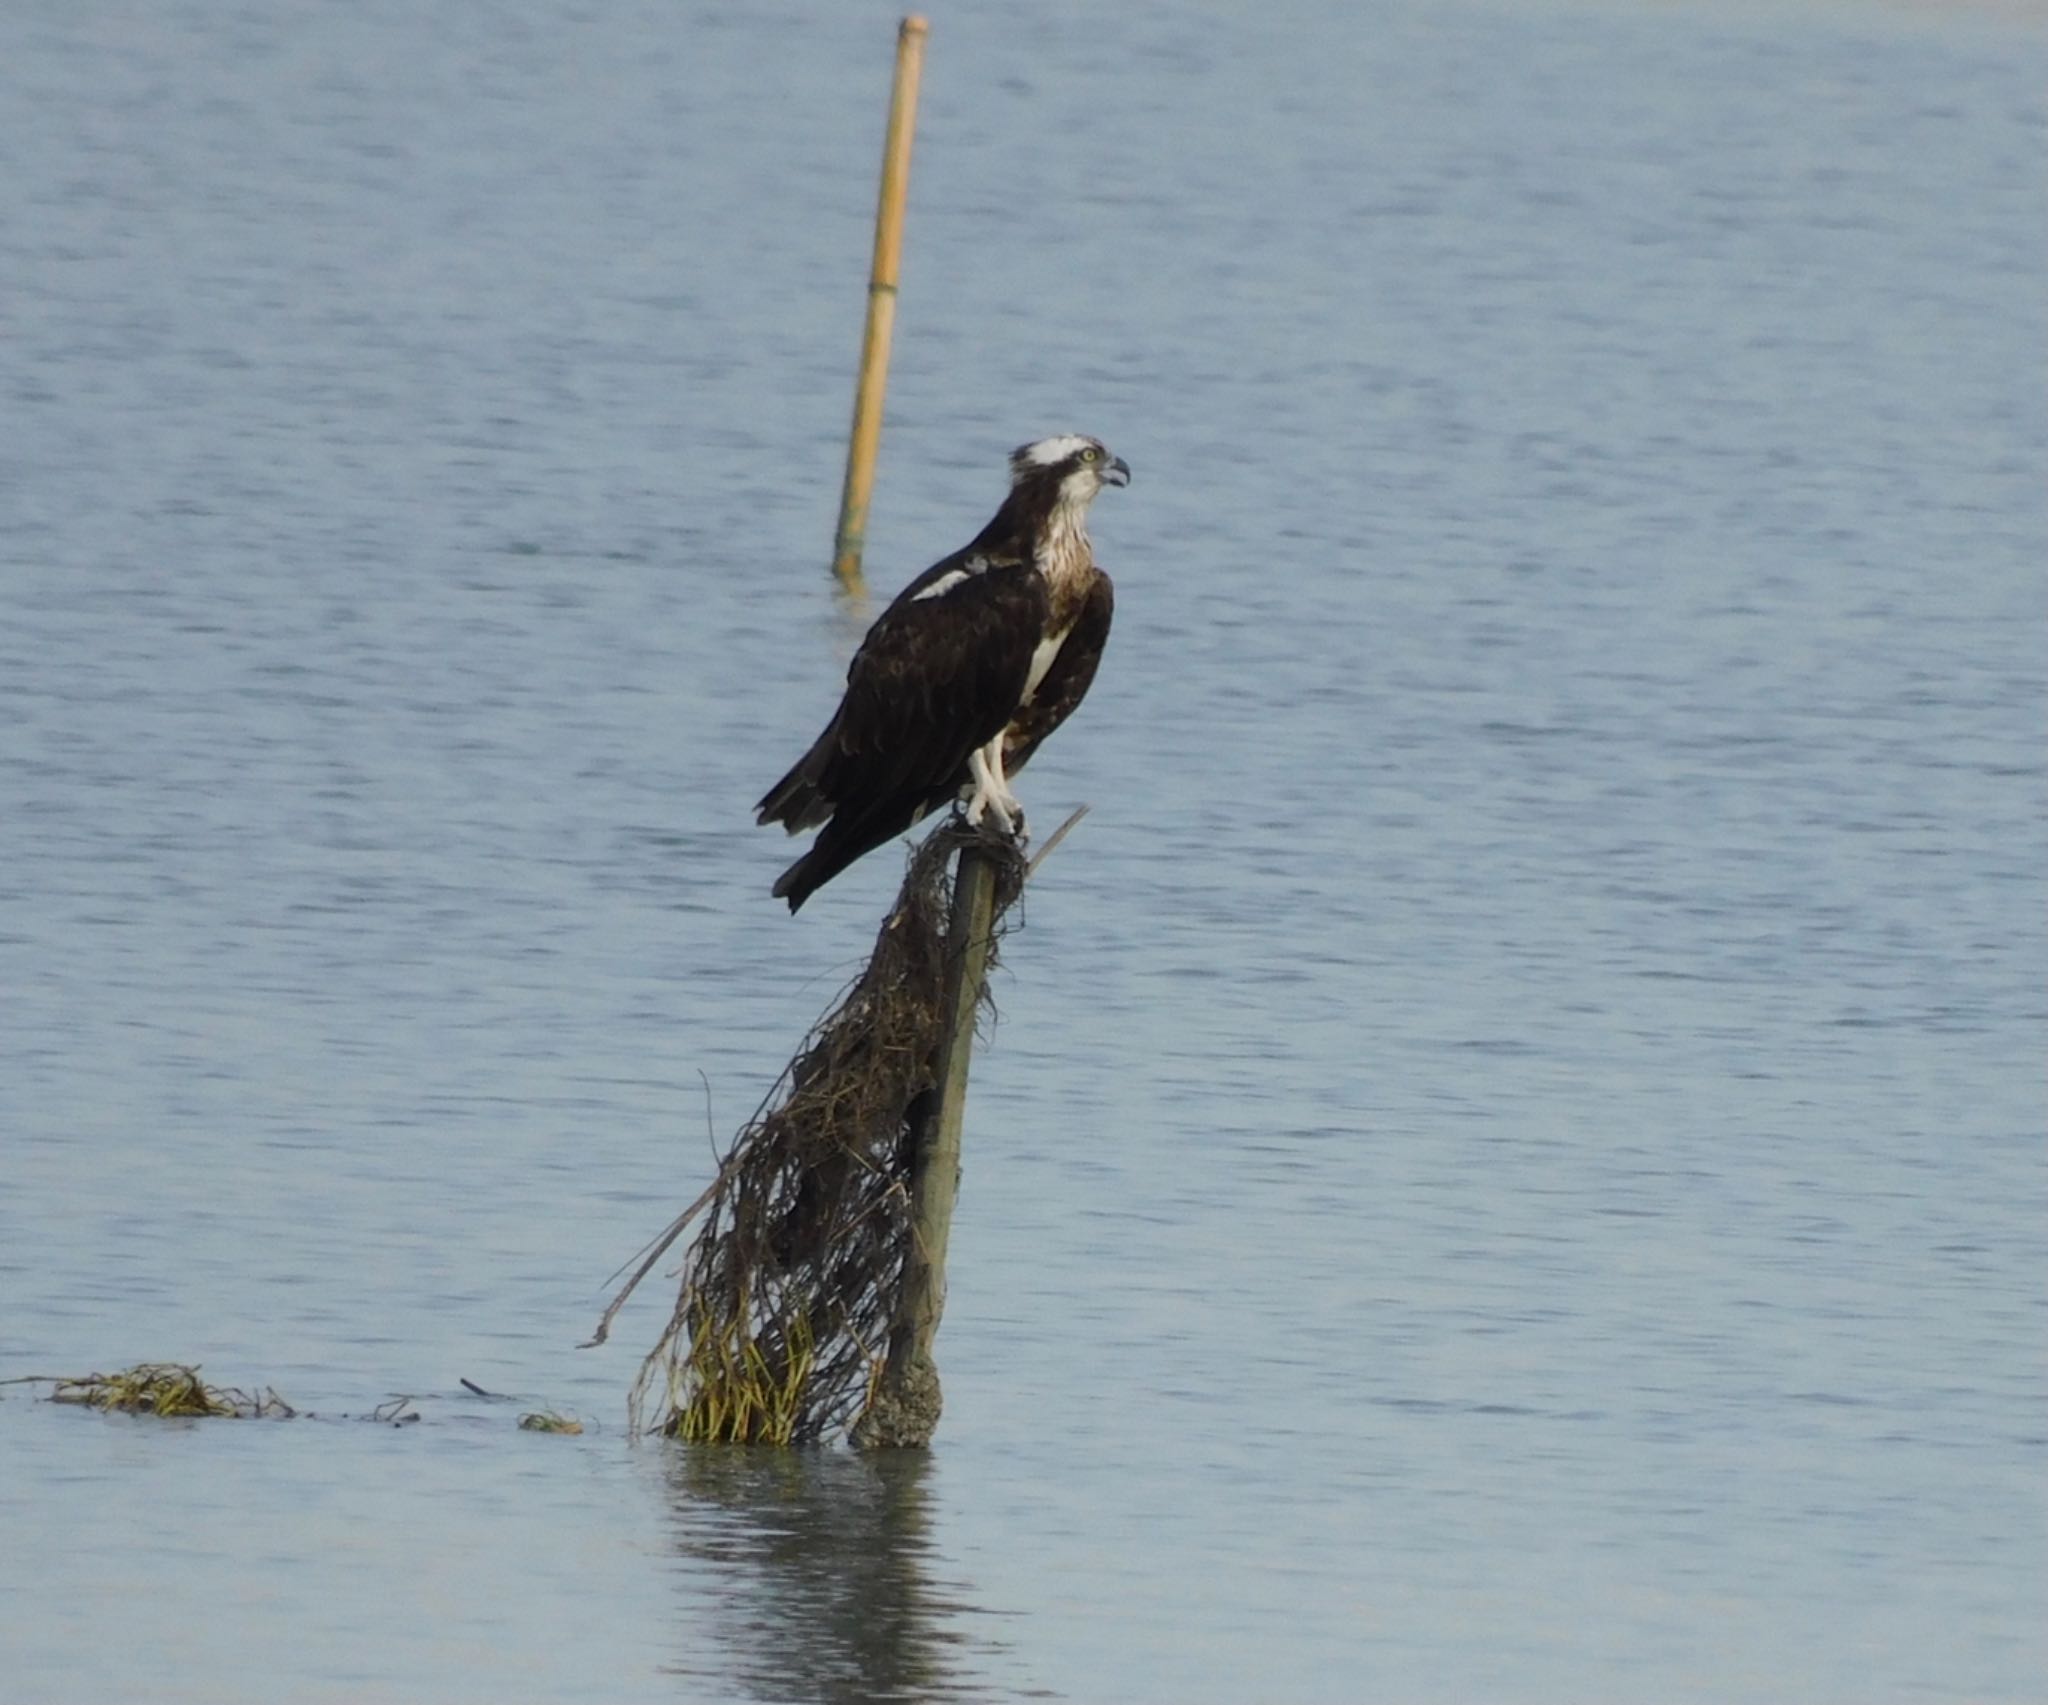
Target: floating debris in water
point(164, 1388)
point(175, 1389)
point(549, 1422)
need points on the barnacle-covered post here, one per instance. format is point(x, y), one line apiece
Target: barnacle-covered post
point(905, 1409)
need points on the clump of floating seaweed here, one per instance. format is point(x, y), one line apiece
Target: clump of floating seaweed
point(795, 1279)
point(166, 1388)
point(547, 1421)
point(175, 1389)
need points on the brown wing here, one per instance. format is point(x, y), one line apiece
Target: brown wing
point(1067, 681)
point(937, 676)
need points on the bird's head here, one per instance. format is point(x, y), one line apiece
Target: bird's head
point(1073, 467)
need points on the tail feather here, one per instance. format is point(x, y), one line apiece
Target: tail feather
point(817, 867)
point(800, 881)
point(843, 840)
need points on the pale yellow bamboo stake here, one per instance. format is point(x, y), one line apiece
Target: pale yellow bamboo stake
point(874, 354)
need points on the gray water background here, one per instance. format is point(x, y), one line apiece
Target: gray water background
point(1510, 1167)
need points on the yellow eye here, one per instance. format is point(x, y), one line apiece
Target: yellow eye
point(1091, 454)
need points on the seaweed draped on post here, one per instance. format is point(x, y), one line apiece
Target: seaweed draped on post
point(796, 1279)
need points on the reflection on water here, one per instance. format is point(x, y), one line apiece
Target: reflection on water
point(821, 1564)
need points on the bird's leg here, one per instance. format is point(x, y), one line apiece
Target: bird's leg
point(1013, 807)
point(988, 792)
point(992, 791)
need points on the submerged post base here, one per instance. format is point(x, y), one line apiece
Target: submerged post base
point(905, 1412)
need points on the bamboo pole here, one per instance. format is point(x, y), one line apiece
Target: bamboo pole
point(881, 323)
point(906, 1410)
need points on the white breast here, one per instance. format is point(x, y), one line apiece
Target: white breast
point(1041, 660)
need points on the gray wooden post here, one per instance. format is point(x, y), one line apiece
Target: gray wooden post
point(906, 1409)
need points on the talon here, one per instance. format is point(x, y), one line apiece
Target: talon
point(991, 793)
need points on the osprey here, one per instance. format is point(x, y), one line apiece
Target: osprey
point(974, 664)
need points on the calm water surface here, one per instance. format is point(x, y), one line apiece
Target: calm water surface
point(1511, 1164)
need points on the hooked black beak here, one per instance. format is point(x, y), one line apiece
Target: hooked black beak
point(1117, 473)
